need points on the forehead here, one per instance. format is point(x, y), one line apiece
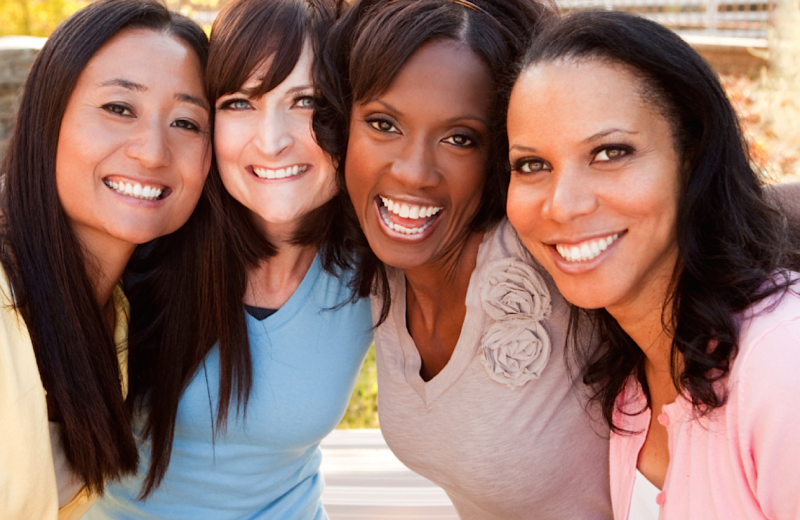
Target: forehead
point(580, 97)
point(445, 73)
point(148, 58)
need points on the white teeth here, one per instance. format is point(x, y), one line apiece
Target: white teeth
point(291, 171)
point(587, 250)
point(135, 190)
point(412, 211)
point(402, 229)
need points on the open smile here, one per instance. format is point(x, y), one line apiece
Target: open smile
point(407, 218)
point(587, 250)
point(280, 173)
point(136, 190)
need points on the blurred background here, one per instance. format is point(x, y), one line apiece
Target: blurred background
point(754, 45)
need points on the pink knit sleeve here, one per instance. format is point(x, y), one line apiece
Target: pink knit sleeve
point(768, 399)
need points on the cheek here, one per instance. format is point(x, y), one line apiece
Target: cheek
point(357, 175)
point(521, 209)
point(226, 144)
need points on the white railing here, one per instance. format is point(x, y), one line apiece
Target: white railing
point(720, 18)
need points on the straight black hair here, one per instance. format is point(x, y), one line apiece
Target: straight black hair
point(44, 261)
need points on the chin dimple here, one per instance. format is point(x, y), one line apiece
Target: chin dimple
point(585, 250)
point(136, 190)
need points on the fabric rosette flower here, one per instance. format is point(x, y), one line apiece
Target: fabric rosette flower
point(515, 288)
point(516, 347)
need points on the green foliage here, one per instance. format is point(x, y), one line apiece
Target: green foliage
point(362, 412)
point(35, 17)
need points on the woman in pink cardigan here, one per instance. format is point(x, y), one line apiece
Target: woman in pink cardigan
point(641, 202)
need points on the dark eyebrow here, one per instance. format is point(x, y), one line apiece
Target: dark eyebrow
point(589, 139)
point(610, 131)
point(451, 120)
point(299, 88)
point(193, 100)
point(138, 87)
point(124, 83)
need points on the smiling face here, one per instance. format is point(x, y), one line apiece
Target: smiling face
point(133, 147)
point(595, 183)
point(266, 152)
point(416, 158)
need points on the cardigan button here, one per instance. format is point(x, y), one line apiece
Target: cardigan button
point(661, 498)
point(663, 419)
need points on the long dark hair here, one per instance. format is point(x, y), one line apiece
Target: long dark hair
point(367, 48)
point(44, 261)
point(190, 287)
point(733, 246)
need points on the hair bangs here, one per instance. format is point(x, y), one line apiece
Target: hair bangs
point(255, 38)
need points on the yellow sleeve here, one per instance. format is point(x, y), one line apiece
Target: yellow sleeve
point(27, 477)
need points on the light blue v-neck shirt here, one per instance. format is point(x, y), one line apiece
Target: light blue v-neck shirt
point(306, 358)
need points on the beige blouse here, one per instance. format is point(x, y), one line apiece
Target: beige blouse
point(503, 427)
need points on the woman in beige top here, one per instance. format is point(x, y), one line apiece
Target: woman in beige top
point(110, 150)
point(474, 392)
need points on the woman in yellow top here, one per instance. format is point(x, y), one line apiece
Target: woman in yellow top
point(110, 150)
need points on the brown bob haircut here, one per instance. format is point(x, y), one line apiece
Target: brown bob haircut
point(190, 287)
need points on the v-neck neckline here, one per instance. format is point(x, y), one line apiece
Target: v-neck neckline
point(468, 339)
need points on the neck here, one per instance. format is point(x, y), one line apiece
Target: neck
point(435, 286)
point(274, 281)
point(644, 321)
point(105, 262)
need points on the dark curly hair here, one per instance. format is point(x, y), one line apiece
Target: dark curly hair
point(733, 245)
point(45, 263)
point(364, 52)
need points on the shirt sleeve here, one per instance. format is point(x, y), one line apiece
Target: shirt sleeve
point(769, 404)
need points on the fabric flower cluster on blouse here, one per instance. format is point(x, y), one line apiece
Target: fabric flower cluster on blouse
point(516, 347)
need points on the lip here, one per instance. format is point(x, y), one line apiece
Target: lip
point(305, 167)
point(402, 237)
point(142, 188)
point(582, 266)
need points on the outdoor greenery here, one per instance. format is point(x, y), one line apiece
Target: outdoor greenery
point(362, 412)
point(35, 17)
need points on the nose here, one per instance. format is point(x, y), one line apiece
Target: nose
point(150, 144)
point(415, 167)
point(274, 135)
point(571, 196)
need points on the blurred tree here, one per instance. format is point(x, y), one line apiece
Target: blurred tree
point(782, 87)
point(35, 17)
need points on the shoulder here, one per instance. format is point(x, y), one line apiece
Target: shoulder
point(768, 361)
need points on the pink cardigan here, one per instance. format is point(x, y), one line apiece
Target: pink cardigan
point(743, 460)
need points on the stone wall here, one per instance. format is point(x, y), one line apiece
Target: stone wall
point(16, 56)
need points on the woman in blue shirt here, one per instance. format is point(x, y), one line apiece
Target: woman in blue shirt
point(246, 344)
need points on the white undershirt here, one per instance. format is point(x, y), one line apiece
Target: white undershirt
point(643, 500)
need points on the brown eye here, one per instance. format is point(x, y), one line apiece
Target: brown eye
point(532, 166)
point(459, 140)
point(609, 154)
point(383, 125)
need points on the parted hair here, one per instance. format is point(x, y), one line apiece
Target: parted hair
point(187, 290)
point(733, 245)
point(364, 52)
point(44, 260)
